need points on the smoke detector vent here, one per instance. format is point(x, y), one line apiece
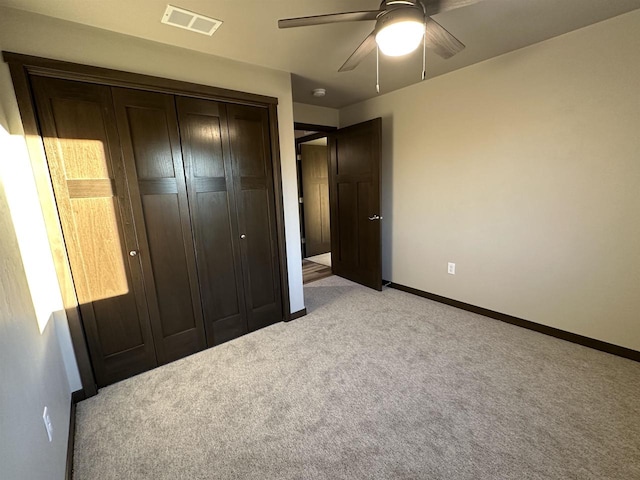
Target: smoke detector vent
point(181, 18)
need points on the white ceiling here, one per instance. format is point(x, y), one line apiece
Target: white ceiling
point(314, 54)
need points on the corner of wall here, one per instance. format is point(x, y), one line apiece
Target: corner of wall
point(36, 368)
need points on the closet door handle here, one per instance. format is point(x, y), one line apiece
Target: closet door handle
point(243, 236)
point(133, 253)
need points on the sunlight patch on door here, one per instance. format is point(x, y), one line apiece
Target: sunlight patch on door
point(95, 248)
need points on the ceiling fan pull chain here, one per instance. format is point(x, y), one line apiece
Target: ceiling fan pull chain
point(424, 54)
point(377, 69)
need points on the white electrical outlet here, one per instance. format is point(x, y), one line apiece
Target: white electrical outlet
point(47, 423)
point(451, 268)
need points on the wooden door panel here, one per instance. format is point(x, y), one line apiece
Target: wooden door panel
point(253, 185)
point(166, 248)
point(93, 202)
point(81, 137)
point(102, 251)
point(203, 129)
point(347, 242)
point(248, 137)
point(151, 143)
point(313, 221)
point(106, 277)
point(119, 333)
point(355, 152)
point(315, 187)
point(354, 190)
point(259, 253)
point(217, 268)
point(148, 129)
point(369, 257)
point(200, 128)
point(325, 228)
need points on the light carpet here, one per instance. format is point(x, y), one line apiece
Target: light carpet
point(371, 385)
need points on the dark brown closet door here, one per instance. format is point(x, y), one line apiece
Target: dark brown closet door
point(315, 188)
point(253, 184)
point(205, 145)
point(148, 130)
point(87, 173)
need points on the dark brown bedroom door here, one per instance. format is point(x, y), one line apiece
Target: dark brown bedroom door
point(354, 189)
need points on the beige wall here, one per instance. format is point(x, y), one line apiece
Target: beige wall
point(524, 170)
point(315, 115)
point(32, 367)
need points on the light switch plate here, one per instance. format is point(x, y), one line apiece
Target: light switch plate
point(451, 268)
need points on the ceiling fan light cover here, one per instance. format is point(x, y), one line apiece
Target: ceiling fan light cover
point(400, 38)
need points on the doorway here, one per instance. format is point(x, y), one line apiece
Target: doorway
point(339, 180)
point(313, 185)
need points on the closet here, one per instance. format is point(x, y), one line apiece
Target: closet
point(167, 205)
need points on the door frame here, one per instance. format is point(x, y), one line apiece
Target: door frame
point(322, 131)
point(22, 67)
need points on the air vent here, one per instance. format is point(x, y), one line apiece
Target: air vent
point(179, 17)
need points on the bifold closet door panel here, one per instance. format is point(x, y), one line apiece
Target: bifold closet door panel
point(204, 136)
point(83, 154)
point(253, 183)
point(148, 129)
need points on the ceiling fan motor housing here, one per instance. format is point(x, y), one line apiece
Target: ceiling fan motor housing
point(390, 4)
point(402, 13)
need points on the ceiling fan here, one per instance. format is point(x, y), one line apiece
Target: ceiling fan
point(400, 27)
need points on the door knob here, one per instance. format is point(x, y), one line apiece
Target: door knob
point(243, 236)
point(133, 253)
point(375, 217)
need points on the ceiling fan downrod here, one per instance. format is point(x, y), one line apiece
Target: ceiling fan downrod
point(377, 69)
point(424, 53)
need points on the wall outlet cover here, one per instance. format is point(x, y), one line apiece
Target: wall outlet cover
point(451, 268)
point(47, 423)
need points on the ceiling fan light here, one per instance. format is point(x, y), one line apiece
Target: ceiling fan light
point(400, 38)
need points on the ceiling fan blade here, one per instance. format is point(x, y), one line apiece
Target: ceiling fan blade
point(439, 6)
point(330, 18)
point(365, 48)
point(441, 41)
